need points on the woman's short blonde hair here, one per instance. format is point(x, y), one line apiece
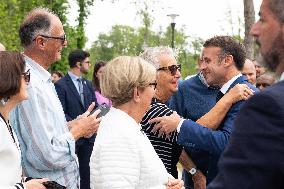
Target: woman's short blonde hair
point(122, 75)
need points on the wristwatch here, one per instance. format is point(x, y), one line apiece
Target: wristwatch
point(192, 171)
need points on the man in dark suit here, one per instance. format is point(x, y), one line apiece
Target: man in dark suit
point(221, 64)
point(76, 94)
point(254, 157)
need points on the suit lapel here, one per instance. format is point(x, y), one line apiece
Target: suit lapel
point(73, 89)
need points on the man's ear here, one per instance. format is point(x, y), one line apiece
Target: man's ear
point(229, 60)
point(136, 95)
point(78, 64)
point(40, 42)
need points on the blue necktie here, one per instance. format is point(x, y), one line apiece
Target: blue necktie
point(81, 90)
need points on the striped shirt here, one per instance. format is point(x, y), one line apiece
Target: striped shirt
point(165, 146)
point(48, 148)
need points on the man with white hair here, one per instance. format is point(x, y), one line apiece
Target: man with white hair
point(47, 141)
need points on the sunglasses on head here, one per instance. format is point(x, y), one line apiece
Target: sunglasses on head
point(173, 69)
point(27, 76)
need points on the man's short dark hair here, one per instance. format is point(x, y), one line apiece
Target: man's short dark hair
point(229, 46)
point(12, 66)
point(277, 7)
point(77, 55)
point(38, 21)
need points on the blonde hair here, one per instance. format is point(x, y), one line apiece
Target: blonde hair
point(122, 75)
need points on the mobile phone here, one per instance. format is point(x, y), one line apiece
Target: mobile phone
point(53, 185)
point(104, 110)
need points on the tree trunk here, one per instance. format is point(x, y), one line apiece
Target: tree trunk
point(249, 21)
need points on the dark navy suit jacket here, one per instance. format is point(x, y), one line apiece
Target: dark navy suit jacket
point(193, 100)
point(70, 98)
point(254, 157)
point(195, 136)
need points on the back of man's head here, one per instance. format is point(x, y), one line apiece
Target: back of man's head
point(77, 55)
point(228, 46)
point(37, 22)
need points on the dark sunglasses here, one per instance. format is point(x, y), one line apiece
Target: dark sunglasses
point(154, 84)
point(173, 69)
point(63, 38)
point(262, 85)
point(27, 76)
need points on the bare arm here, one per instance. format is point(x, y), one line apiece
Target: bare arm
point(215, 116)
point(198, 178)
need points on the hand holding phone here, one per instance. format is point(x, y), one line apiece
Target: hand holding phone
point(53, 185)
point(104, 110)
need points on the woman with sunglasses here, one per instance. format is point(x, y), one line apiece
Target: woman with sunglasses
point(168, 75)
point(13, 83)
point(123, 156)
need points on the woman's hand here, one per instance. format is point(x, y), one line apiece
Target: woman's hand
point(175, 184)
point(35, 183)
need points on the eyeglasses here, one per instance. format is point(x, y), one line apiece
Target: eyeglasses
point(154, 84)
point(173, 69)
point(27, 76)
point(63, 38)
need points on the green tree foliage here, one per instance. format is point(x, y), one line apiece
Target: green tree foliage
point(83, 14)
point(126, 40)
point(12, 13)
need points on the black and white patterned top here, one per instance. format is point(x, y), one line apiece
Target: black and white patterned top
point(165, 146)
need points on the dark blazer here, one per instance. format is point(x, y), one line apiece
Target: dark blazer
point(73, 106)
point(70, 98)
point(254, 157)
point(195, 136)
point(192, 100)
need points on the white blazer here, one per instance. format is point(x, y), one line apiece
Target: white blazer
point(123, 156)
point(10, 159)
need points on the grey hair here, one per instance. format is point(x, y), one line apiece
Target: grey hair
point(152, 54)
point(36, 22)
point(277, 7)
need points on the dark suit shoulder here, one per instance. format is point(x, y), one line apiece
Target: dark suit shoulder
point(63, 80)
point(269, 100)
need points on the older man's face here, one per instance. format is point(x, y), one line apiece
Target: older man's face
point(268, 34)
point(55, 46)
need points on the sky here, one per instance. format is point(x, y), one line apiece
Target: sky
point(200, 18)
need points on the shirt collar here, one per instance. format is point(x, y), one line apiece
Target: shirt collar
point(38, 68)
point(281, 77)
point(227, 85)
point(73, 76)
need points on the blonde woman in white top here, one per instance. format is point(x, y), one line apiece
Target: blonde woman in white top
point(123, 156)
point(13, 82)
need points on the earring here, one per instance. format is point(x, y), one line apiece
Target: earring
point(4, 101)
